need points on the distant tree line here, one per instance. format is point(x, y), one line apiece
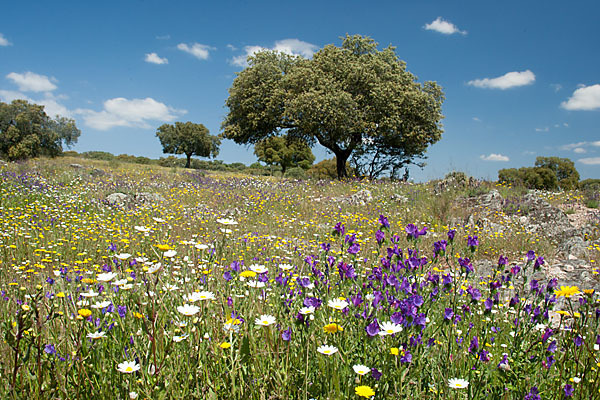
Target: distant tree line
point(548, 173)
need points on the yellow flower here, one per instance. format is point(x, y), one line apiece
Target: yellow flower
point(395, 351)
point(364, 391)
point(84, 312)
point(588, 291)
point(225, 345)
point(138, 315)
point(565, 313)
point(332, 328)
point(248, 274)
point(164, 247)
point(60, 294)
point(567, 291)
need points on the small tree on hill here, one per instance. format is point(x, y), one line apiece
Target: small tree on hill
point(284, 151)
point(565, 171)
point(189, 139)
point(27, 131)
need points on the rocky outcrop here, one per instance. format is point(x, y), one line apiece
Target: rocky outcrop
point(123, 200)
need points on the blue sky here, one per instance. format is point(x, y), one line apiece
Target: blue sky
point(521, 78)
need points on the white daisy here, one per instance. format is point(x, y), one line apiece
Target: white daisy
point(204, 295)
point(389, 328)
point(255, 284)
point(91, 293)
point(170, 253)
point(142, 229)
point(227, 221)
point(96, 335)
point(128, 367)
point(106, 277)
point(258, 268)
point(178, 339)
point(201, 246)
point(361, 369)
point(286, 267)
point(188, 309)
point(265, 320)
point(456, 383)
point(123, 256)
point(327, 350)
point(338, 304)
point(307, 310)
point(102, 304)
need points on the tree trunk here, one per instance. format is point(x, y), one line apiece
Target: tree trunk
point(283, 169)
point(340, 159)
point(189, 160)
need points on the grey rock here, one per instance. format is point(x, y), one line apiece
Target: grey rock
point(362, 197)
point(76, 166)
point(118, 199)
point(148, 198)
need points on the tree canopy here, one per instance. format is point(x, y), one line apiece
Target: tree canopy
point(284, 151)
point(549, 173)
point(189, 139)
point(353, 100)
point(565, 170)
point(27, 131)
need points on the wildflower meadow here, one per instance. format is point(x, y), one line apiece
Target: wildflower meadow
point(240, 287)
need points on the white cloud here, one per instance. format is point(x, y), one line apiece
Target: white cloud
point(200, 51)
point(164, 37)
point(31, 82)
point(556, 86)
point(231, 47)
point(506, 81)
point(584, 98)
point(579, 150)
point(442, 26)
point(129, 113)
point(51, 103)
point(476, 119)
point(579, 147)
point(4, 41)
point(590, 161)
point(545, 129)
point(494, 157)
point(288, 46)
point(596, 143)
point(529, 153)
point(153, 58)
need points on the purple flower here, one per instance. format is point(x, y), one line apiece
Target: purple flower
point(379, 236)
point(448, 314)
point(339, 229)
point(502, 261)
point(547, 335)
point(326, 247)
point(373, 328)
point(534, 394)
point(474, 344)
point(413, 232)
point(50, 349)
point(439, 247)
point(112, 247)
point(551, 347)
point(569, 390)
point(227, 276)
point(472, 242)
point(578, 341)
point(451, 234)
point(287, 334)
point(553, 283)
point(122, 310)
point(538, 263)
point(488, 304)
point(375, 374)
point(312, 302)
point(406, 357)
point(530, 256)
point(446, 280)
point(384, 222)
point(354, 248)
point(466, 264)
